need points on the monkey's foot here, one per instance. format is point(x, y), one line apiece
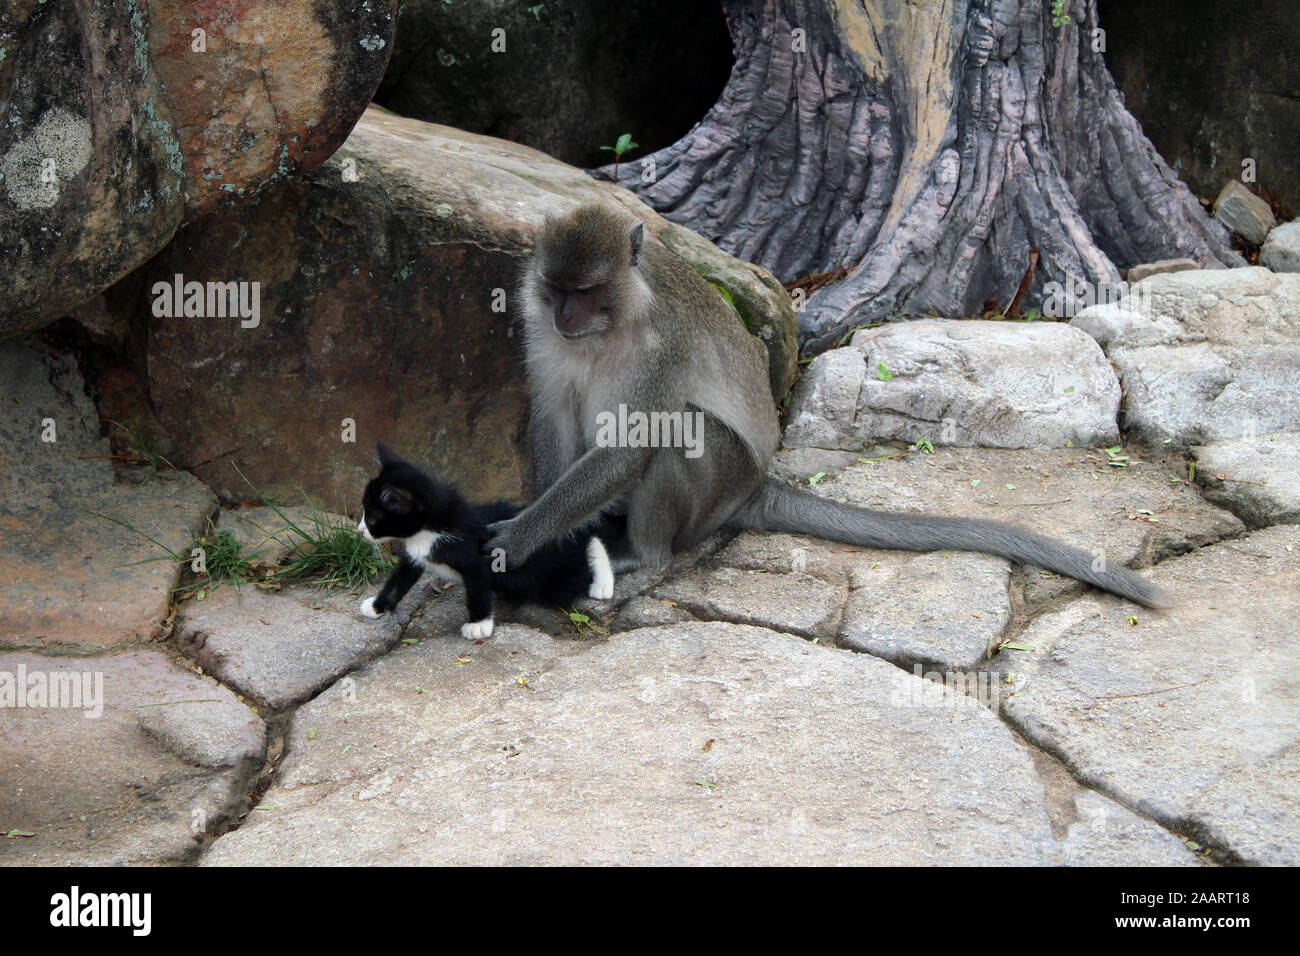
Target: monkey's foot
point(368, 608)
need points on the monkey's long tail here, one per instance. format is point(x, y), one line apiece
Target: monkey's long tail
point(776, 506)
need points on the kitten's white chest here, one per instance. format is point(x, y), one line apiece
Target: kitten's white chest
point(420, 546)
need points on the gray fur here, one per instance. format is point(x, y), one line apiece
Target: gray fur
point(657, 337)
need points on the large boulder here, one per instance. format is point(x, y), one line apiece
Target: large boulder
point(385, 283)
point(957, 383)
point(123, 120)
point(86, 560)
point(1204, 356)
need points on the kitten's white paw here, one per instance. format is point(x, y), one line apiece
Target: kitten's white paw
point(368, 608)
point(477, 630)
point(602, 573)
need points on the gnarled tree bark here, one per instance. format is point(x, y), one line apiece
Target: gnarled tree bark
point(925, 146)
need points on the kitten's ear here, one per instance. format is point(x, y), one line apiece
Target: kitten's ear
point(386, 455)
point(396, 499)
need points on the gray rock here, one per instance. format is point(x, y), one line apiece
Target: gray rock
point(1243, 212)
point(1281, 251)
point(797, 603)
point(644, 611)
point(1205, 355)
point(696, 744)
point(168, 761)
point(38, 384)
point(824, 407)
point(1189, 716)
point(1231, 307)
point(1107, 834)
point(936, 610)
point(281, 649)
point(958, 383)
point(72, 575)
point(1148, 269)
point(215, 730)
point(1114, 326)
point(1180, 396)
point(1257, 478)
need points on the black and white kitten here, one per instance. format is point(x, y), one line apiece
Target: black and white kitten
point(442, 532)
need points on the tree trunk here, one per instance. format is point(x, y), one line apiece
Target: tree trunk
point(925, 146)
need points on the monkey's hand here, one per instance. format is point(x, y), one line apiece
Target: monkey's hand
point(597, 478)
point(506, 539)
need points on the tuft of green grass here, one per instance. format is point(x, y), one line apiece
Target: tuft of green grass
point(324, 554)
point(334, 556)
point(139, 452)
point(328, 555)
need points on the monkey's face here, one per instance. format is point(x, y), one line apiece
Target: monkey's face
point(581, 308)
point(582, 270)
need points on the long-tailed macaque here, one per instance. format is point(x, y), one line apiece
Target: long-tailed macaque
point(611, 320)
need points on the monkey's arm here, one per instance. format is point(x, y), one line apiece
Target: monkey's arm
point(595, 479)
point(552, 450)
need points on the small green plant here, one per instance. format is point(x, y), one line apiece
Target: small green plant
point(333, 556)
point(138, 451)
point(622, 145)
point(222, 562)
point(323, 553)
point(583, 623)
point(925, 446)
point(883, 373)
point(328, 555)
point(1059, 17)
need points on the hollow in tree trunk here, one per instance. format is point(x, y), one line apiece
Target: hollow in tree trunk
point(925, 146)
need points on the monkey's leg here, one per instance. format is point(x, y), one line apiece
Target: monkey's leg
point(681, 500)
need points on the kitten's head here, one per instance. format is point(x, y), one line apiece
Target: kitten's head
point(401, 501)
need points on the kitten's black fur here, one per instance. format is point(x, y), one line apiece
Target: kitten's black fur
point(438, 527)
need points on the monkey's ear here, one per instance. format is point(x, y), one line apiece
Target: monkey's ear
point(386, 456)
point(636, 237)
